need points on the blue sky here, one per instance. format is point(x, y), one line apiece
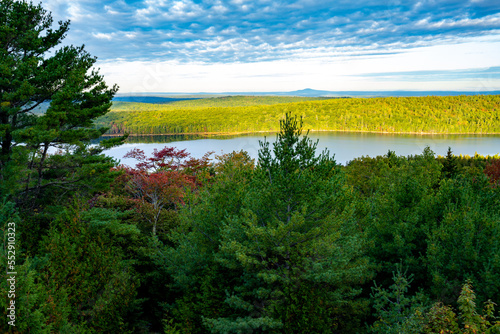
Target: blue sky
point(262, 45)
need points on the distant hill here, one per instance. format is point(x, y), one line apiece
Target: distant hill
point(151, 99)
point(324, 93)
point(246, 114)
point(308, 92)
point(212, 102)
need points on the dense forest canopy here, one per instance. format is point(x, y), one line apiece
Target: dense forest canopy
point(290, 243)
point(430, 114)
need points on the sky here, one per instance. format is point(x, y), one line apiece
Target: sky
point(189, 46)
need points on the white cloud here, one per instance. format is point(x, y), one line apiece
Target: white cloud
point(210, 31)
point(490, 20)
point(110, 10)
point(328, 72)
point(219, 7)
point(72, 10)
point(104, 36)
point(131, 35)
point(157, 10)
point(77, 13)
point(369, 33)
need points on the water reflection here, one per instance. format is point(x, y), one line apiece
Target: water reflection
point(165, 139)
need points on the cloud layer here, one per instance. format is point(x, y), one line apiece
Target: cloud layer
point(261, 30)
point(271, 45)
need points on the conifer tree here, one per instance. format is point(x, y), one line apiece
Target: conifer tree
point(282, 243)
point(48, 100)
point(295, 241)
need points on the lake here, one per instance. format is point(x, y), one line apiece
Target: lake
point(345, 146)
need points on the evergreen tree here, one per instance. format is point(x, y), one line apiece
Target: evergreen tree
point(282, 246)
point(449, 165)
point(295, 241)
point(48, 100)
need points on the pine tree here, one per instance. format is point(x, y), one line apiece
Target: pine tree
point(449, 165)
point(48, 100)
point(294, 243)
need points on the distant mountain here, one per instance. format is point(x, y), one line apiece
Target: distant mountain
point(151, 99)
point(324, 93)
point(308, 92)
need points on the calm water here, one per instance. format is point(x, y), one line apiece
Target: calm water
point(345, 146)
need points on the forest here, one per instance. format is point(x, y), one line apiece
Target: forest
point(291, 242)
point(478, 114)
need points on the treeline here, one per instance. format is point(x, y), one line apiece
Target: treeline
point(212, 102)
point(291, 243)
point(449, 114)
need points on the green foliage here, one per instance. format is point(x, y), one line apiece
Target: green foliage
point(242, 325)
point(436, 216)
point(450, 165)
point(431, 114)
point(396, 211)
point(441, 226)
point(114, 215)
point(170, 327)
point(463, 243)
point(33, 72)
point(80, 281)
point(472, 166)
point(85, 270)
point(397, 312)
point(281, 238)
point(34, 308)
point(214, 102)
point(200, 280)
point(442, 319)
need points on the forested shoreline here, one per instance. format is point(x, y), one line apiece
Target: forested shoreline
point(478, 114)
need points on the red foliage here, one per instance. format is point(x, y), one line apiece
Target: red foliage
point(193, 168)
point(170, 159)
point(154, 192)
point(167, 158)
point(160, 181)
point(492, 170)
point(162, 188)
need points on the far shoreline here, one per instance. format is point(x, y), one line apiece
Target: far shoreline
point(304, 131)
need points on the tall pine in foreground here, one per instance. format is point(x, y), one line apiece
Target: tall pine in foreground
point(284, 242)
point(49, 97)
point(71, 277)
